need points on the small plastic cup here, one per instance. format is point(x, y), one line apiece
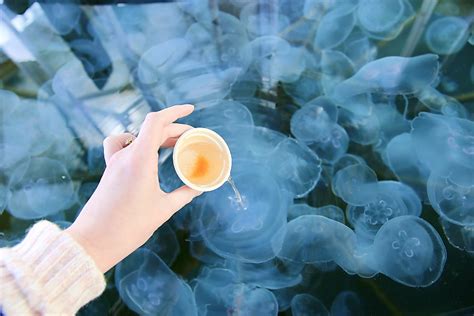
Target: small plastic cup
point(202, 159)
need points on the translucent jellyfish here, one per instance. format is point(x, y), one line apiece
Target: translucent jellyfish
point(385, 200)
point(441, 103)
point(164, 243)
point(453, 202)
point(250, 230)
point(353, 184)
point(347, 303)
point(401, 157)
point(346, 161)
point(391, 122)
point(219, 292)
point(305, 304)
point(39, 187)
point(335, 27)
point(149, 287)
point(219, 113)
point(314, 124)
point(304, 89)
point(447, 35)
point(446, 146)
point(461, 237)
point(408, 250)
point(359, 49)
point(335, 67)
point(362, 129)
point(295, 166)
point(272, 275)
point(314, 238)
point(276, 60)
point(315, 9)
point(330, 211)
point(383, 19)
point(201, 252)
point(63, 16)
point(3, 197)
point(391, 76)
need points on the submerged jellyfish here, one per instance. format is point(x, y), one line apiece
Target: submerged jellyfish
point(347, 303)
point(383, 19)
point(219, 292)
point(362, 129)
point(385, 200)
point(305, 304)
point(263, 19)
point(408, 250)
point(149, 287)
point(447, 35)
point(335, 27)
point(39, 187)
point(335, 68)
point(461, 237)
point(218, 113)
point(250, 229)
point(453, 202)
point(391, 76)
point(354, 183)
point(164, 243)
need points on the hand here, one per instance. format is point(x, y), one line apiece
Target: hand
point(129, 205)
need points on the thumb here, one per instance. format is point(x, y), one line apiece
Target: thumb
point(180, 197)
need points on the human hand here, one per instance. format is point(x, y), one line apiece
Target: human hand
point(128, 204)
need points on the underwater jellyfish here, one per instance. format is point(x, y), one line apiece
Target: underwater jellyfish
point(315, 9)
point(335, 68)
point(330, 211)
point(391, 76)
point(401, 158)
point(460, 237)
point(63, 16)
point(219, 292)
point(347, 303)
point(164, 243)
point(314, 238)
point(39, 187)
point(148, 287)
point(249, 229)
point(446, 146)
point(408, 250)
point(362, 129)
point(359, 49)
point(273, 274)
point(441, 103)
point(314, 124)
point(218, 113)
point(383, 19)
point(391, 122)
point(385, 200)
point(276, 60)
point(335, 27)
point(447, 35)
point(354, 183)
point(346, 161)
point(453, 202)
point(295, 166)
point(305, 305)
point(263, 18)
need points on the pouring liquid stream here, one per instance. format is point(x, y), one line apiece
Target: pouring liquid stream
point(238, 199)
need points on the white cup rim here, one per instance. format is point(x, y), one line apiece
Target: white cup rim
point(214, 135)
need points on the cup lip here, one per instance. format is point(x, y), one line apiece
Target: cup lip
point(201, 130)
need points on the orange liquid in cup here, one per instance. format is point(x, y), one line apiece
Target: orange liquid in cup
point(203, 161)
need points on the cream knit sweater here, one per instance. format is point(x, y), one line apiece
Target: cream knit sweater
point(48, 273)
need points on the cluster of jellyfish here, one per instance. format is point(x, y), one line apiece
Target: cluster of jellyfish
point(233, 60)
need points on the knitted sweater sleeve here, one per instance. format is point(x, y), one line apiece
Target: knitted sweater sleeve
point(48, 273)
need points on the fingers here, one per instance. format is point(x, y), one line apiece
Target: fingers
point(180, 197)
point(152, 134)
point(114, 143)
point(172, 132)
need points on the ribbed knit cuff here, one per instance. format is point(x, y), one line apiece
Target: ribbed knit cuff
point(54, 273)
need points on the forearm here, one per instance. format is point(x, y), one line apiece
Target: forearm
point(47, 273)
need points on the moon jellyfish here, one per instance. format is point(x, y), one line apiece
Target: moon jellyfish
point(347, 303)
point(263, 19)
point(460, 237)
point(330, 211)
point(446, 146)
point(39, 187)
point(391, 76)
point(218, 113)
point(385, 200)
point(362, 129)
point(272, 275)
point(314, 124)
point(249, 231)
point(402, 160)
point(408, 250)
point(354, 183)
point(164, 243)
point(447, 35)
point(453, 202)
point(335, 68)
point(314, 9)
point(305, 304)
point(149, 287)
point(383, 19)
point(359, 49)
point(391, 122)
point(219, 292)
point(441, 103)
point(335, 27)
point(346, 161)
point(314, 238)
